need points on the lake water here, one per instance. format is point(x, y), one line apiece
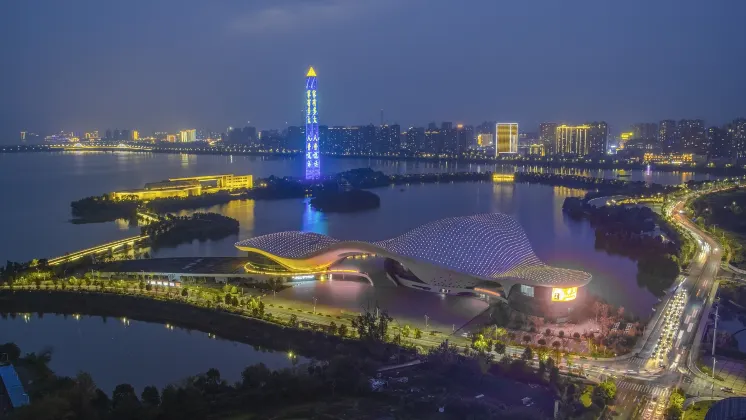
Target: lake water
point(39, 188)
point(133, 352)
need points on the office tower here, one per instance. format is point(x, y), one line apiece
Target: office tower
point(432, 126)
point(507, 138)
point(720, 141)
point(187, 136)
point(135, 135)
point(598, 135)
point(23, 136)
point(416, 139)
point(464, 138)
point(572, 139)
point(108, 135)
point(645, 131)
point(692, 136)
point(313, 162)
point(737, 133)
point(548, 136)
point(536, 150)
point(668, 136)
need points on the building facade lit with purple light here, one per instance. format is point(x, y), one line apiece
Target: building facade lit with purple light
point(481, 255)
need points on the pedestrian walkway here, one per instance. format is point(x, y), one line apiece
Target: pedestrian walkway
point(649, 389)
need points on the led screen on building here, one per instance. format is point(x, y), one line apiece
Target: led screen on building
point(564, 295)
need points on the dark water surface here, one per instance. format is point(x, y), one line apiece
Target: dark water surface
point(114, 351)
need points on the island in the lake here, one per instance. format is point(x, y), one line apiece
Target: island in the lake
point(345, 201)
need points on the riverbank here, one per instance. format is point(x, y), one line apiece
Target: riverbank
point(271, 334)
point(606, 163)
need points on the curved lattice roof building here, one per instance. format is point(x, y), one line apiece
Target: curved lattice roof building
point(490, 247)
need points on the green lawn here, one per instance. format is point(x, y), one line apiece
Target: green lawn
point(697, 411)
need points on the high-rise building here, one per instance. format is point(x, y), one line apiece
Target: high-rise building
point(572, 140)
point(416, 139)
point(548, 136)
point(645, 131)
point(433, 142)
point(388, 139)
point(720, 141)
point(737, 133)
point(598, 135)
point(187, 136)
point(23, 136)
point(313, 161)
point(135, 135)
point(108, 135)
point(668, 136)
point(693, 137)
point(368, 133)
point(464, 138)
point(507, 138)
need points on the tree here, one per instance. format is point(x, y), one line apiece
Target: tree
point(342, 331)
point(372, 327)
point(333, 328)
point(184, 292)
point(605, 391)
point(123, 392)
point(499, 347)
point(542, 353)
point(620, 313)
point(479, 343)
point(255, 376)
point(597, 309)
point(527, 354)
point(150, 396)
point(406, 331)
point(417, 333)
point(526, 339)
point(293, 320)
point(234, 290)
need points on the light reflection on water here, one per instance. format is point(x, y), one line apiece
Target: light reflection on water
point(134, 352)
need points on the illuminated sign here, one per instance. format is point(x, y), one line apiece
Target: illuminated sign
point(304, 277)
point(564, 295)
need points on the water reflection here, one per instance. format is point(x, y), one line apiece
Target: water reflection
point(122, 350)
point(313, 220)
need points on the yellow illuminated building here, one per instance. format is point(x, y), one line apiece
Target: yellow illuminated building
point(670, 158)
point(171, 138)
point(624, 138)
point(506, 138)
point(572, 139)
point(484, 139)
point(188, 136)
point(503, 177)
point(536, 150)
point(188, 187)
point(135, 135)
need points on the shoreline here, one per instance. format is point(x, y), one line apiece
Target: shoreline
point(223, 324)
point(549, 162)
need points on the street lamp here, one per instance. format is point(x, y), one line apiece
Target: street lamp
point(426, 318)
point(314, 305)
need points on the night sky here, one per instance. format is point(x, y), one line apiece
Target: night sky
point(147, 64)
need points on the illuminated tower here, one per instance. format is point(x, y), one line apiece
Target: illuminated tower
point(313, 163)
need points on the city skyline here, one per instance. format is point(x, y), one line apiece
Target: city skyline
point(143, 68)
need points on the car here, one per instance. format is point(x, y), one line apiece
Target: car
point(727, 389)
